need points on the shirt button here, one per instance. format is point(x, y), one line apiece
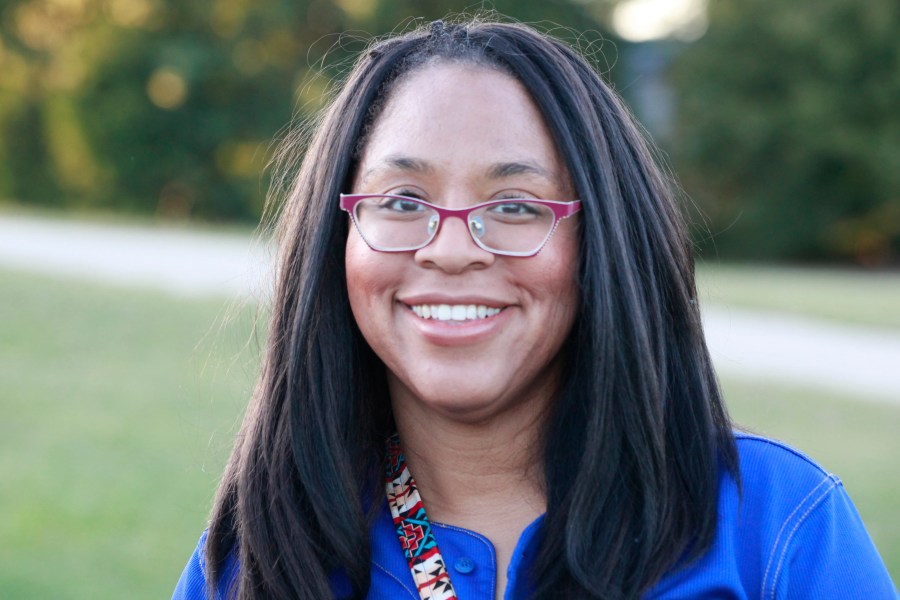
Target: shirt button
point(464, 565)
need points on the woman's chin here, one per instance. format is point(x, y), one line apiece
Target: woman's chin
point(465, 401)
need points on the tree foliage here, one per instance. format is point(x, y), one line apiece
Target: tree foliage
point(170, 106)
point(789, 129)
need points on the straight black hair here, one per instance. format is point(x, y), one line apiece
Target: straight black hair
point(638, 433)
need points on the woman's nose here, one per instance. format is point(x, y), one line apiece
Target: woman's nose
point(453, 250)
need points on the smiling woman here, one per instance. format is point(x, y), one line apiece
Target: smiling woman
point(485, 281)
point(490, 144)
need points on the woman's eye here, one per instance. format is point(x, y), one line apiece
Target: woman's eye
point(402, 205)
point(514, 208)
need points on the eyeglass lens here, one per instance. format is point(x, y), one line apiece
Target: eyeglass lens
point(517, 226)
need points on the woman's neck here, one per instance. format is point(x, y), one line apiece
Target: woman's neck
point(484, 476)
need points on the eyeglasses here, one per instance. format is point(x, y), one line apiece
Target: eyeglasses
point(509, 227)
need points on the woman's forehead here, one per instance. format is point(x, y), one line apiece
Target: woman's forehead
point(453, 115)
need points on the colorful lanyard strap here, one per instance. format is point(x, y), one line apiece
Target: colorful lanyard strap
point(414, 528)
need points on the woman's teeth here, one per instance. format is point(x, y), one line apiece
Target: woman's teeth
point(454, 312)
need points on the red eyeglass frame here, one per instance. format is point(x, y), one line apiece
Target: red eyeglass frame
point(561, 210)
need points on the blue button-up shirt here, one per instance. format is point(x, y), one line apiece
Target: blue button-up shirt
point(793, 533)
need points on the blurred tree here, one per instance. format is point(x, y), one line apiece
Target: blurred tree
point(27, 37)
point(169, 107)
point(788, 129)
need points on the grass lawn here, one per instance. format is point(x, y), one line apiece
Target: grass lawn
point(850, 296)
point(119, 407)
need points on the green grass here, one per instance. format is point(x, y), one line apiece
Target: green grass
point(849, 296)
point(119, 407)
point(855, 440)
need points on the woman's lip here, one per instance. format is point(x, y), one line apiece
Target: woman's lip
point(456, 333)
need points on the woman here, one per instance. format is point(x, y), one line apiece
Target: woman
point(480, 256)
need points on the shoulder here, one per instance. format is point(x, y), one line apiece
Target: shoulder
point(788, 530)
point(763, 455)
point(781, 489)
point(193, 583)
point(778, 475)
point(792, 527)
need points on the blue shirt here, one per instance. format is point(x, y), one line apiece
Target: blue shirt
point(794, 533)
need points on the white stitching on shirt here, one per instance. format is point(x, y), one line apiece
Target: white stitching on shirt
point(784, 524)
point(800, 522)
point(397, 579)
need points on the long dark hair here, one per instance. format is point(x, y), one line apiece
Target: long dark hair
point(638, 433)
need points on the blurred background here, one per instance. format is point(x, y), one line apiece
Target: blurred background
point(135, 141)
point(780, 118)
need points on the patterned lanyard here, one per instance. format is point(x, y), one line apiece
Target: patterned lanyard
point(414, 528)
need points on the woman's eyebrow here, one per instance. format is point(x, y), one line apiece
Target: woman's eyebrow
point(400, 163)
point(508, 169)
point(407, 163)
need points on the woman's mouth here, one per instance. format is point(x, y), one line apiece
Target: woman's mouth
point(454, 312)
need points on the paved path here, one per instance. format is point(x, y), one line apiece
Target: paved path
point(857, 360)
point(183, 262)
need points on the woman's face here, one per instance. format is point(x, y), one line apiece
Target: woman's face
point(456, 135)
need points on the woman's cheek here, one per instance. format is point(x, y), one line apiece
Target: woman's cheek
point(373, 279)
